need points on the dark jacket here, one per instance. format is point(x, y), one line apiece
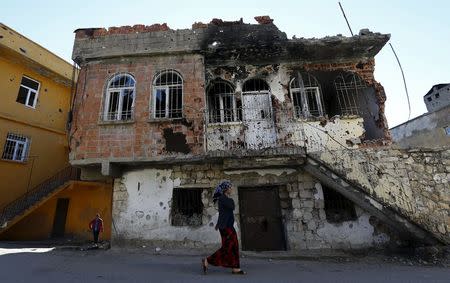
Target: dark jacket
point(226, 216)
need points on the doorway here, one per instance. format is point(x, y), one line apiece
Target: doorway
point(261, 221)
point(59, 222)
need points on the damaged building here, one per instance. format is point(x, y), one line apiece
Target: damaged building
point(297, 125)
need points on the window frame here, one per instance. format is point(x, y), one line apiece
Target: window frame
point(12, 137)
point(27, 100)
point(166, 88)
point(266, 114)
point(221, 96)
point(303, 110)
point(106, 115)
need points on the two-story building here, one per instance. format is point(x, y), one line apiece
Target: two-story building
point(40, 196)
point(167, 114)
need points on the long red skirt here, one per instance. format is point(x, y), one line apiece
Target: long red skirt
point(228, 254)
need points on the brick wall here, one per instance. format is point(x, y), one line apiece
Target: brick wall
point(143, 138)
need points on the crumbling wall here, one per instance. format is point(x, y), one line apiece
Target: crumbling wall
point(414, 182)
point(142, 137)
point(142, 208)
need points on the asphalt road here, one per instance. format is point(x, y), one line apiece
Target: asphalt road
point(37, 265)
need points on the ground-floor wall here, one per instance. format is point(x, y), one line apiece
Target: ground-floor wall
point(143, 208)
point(85, 199)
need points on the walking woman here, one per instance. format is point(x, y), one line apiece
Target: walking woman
point(228, 254)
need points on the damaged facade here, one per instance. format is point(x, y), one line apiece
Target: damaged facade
point(169, 113)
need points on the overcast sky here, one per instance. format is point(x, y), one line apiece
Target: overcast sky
point(420, 31)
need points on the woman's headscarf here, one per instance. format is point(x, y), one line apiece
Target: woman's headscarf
point(220, 189)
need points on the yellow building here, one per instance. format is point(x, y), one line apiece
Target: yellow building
point(35, 92)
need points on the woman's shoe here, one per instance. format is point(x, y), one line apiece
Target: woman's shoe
point(205, 267)
point(240, 272)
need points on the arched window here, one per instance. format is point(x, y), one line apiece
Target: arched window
point(305, 92)
point(119, 99)
point(168, 95)
point(222, 104)
point(256, 100)
point(348, 87)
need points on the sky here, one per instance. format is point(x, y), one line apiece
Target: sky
point(420, 31)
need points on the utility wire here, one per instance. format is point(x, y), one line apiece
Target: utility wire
point(404, 81)
point(345, 17)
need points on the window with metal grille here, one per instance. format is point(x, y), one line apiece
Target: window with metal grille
point(187, 207)
point(305, 92)
point(119, 99)
point(168, 95)
point(16, 147)
point(348, 88)
point(337, 207)
point(222, 104)
point(256, 100)
point(28, 92)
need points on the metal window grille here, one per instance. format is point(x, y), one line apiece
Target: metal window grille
point(187, 207)
point(119, 101)
point(168, 95)
point(348, 89)
point(16, 147)
point(337, 207)
point(28, 92)
point(259, 107)
point(222, 104)
point(305, 91)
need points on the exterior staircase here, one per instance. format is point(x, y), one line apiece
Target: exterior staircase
point(406, 228)
point(28, 202)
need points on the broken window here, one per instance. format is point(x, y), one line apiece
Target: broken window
point(305, 92)
point(337, 207)
point(187, 207)
point(119, 100)
point(256, 100)
point(348, 88)
point(28, 92)
point(168, 95)
point(16, 147)
point(222, 104)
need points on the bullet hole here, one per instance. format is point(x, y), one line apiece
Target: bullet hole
point(360, 65)
point(347, 132)
point(349, 143)
point(60, 110)
point(139, 186)
point(160, 203)
point(164, 208)
point(164, 178)
point(350, 225)
point(45, 90)
point(1, 36)
point(23, 50)
point(157, 174)
point(147, 217)
point(211, 224)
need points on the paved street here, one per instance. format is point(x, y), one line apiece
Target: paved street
point(41, 265)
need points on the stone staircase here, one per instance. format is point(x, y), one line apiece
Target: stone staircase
point(27, 203)
point(406, 228)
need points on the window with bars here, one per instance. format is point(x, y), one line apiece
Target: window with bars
point(168, 95)
point(305, 92)
point(119, 99)
point(337, 207)
point(222, 104)
point(348, 88)
point(16, 147)
point(187, 207)
point(28, 92)
point(256, 100)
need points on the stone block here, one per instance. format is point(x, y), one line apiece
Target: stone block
point(293, 194)
point(307, 203)
point(319, 203)
point(296, 203)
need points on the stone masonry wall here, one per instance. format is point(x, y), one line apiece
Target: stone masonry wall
point(414, 182)
point(142, 202)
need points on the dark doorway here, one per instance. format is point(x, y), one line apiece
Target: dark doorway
point(59, 223)
point(261, 222)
